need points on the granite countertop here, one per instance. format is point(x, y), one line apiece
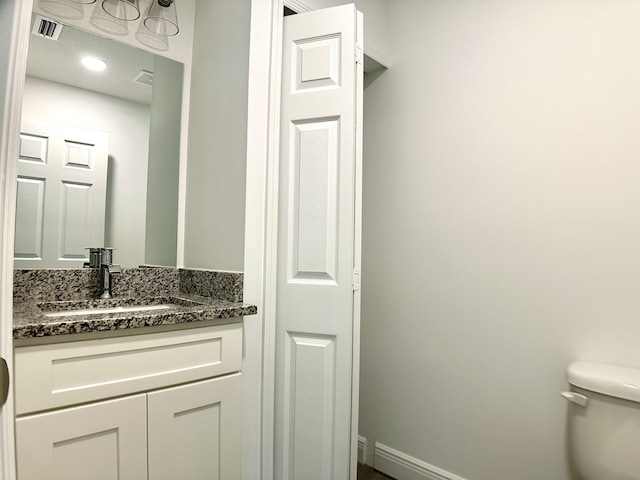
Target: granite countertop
point(30, 320)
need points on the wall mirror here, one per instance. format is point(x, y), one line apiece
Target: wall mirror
point(99, 152)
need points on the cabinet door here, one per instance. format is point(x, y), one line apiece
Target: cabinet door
point(194, 430)
point(105, 440)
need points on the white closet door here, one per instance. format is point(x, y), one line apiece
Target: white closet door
point(315, 336)
point(62, 185)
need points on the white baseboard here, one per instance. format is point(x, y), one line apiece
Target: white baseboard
point(404, 467)
point(362, 449)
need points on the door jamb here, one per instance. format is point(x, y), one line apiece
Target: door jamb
point(357, 247)
point(261, 221)
point(9, 148)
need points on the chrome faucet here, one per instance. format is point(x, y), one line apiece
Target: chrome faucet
point(95, 257)
point(107, 268)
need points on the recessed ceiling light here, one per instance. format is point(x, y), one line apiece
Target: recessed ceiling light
point(93, 63)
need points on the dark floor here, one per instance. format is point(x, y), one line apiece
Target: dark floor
point(365, 472)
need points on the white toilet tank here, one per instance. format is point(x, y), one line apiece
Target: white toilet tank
point(604, 421)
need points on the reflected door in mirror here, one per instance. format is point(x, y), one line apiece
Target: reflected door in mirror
point(62, 176)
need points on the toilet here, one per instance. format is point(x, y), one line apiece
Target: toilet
point(603, 424)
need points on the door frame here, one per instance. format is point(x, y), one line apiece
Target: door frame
point(263, 138)
point(18, 23)
point(261, 223)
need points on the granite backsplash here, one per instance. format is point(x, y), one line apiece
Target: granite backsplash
point(44, 285)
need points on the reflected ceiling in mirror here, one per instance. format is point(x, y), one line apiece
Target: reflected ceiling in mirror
point(60, 61)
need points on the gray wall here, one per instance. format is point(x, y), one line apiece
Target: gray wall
point(7, 10)
point(501, 226)
point(164, 162)
point(214, 220)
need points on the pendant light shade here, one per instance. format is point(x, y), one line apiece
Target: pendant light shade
point(152, 40)
point(162, 18)
point(127, 10)
point(108, 23)
point(70, 9)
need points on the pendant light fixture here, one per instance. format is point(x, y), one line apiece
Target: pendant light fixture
point(107, 22)
point(127, 10)
point(152, 40)
point(162, 18)
point(69, 9)
point(119, 17)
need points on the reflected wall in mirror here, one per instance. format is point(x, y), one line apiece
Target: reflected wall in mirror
point(75, 119)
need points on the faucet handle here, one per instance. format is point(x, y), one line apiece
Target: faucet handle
point(95, 257)
point(107, 255)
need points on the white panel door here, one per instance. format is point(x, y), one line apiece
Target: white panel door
point(100, 441)
point(194, 430)
point(317, 253)
point(62, 185)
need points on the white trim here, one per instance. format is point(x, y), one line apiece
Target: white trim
point(182, 168)
point(377, 55)
point(271, 241)
point(260, 225)
point(9, 147)
point(402, 466)
point(297, 6)
point(362, 449)
point(357, 248)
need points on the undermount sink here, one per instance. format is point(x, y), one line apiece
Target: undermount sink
point(104, 310)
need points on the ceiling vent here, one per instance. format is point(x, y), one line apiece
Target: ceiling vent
point(144, 78)
point(46, 27)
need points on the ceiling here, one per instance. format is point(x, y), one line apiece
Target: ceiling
point(59, 61)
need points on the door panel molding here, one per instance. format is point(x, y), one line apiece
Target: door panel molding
point(313, 241)
point(310, 384)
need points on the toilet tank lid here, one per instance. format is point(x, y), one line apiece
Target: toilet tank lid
point(612, 380)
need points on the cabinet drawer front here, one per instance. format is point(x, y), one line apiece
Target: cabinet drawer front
point(51, 376)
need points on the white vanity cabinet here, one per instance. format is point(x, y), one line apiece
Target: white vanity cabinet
point(159, 406)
